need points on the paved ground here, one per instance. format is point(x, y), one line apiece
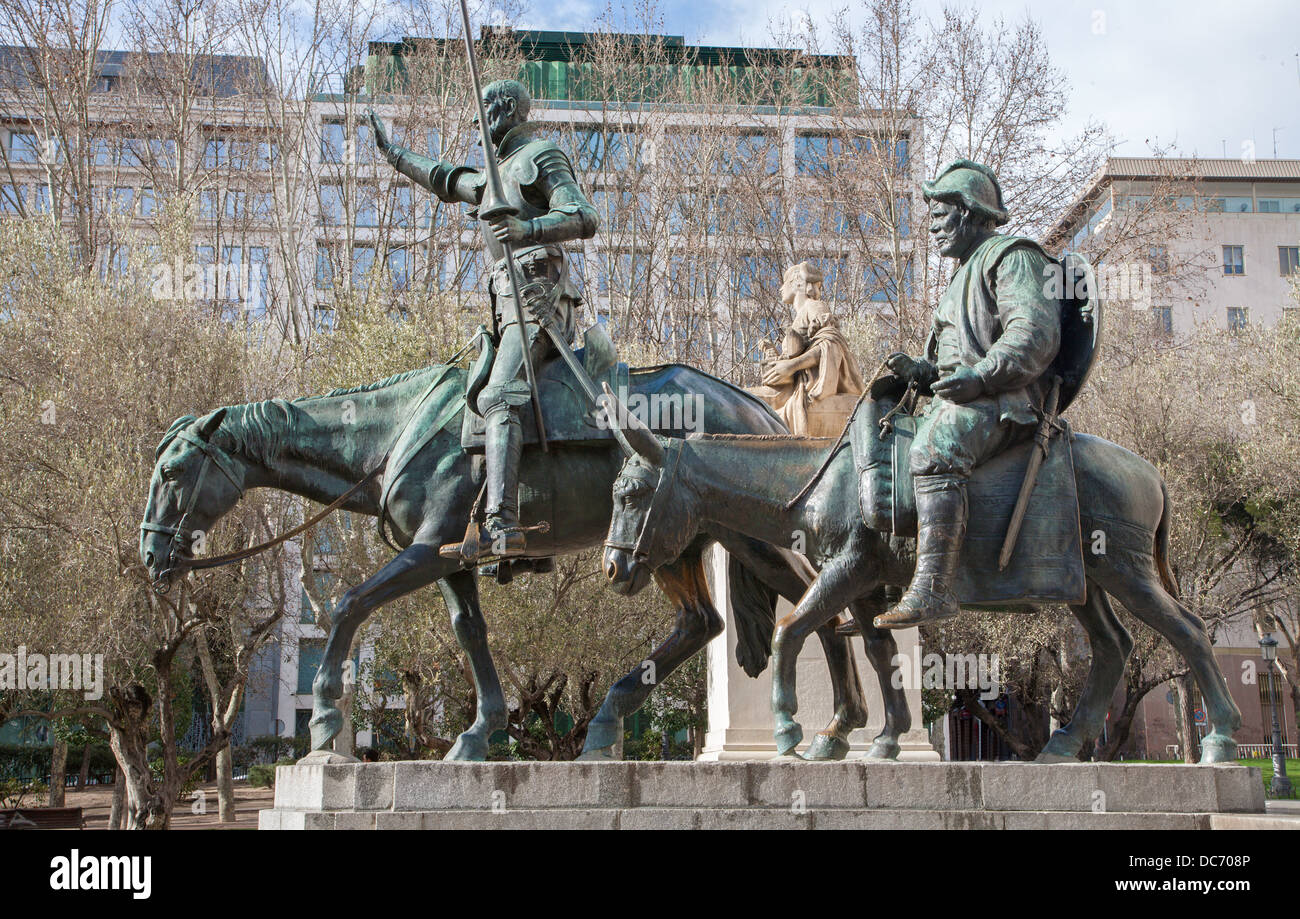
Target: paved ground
point(97, 800)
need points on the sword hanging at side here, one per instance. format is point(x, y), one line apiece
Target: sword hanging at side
point(494, 204)
point(1042, 443)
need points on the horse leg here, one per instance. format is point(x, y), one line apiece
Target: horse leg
point(835, 588)
point(698, 622)
point(460, 591)
point(1110, 644)
point(789, 575)
point(882, 652)
point(414, 567)
point(847, 697)
point(1143, 594)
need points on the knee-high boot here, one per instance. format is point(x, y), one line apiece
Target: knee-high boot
point(941, 527)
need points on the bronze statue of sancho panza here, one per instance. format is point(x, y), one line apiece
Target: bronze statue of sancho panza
point(538, 181)
point(993, 339)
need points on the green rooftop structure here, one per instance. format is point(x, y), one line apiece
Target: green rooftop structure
point(558, 71)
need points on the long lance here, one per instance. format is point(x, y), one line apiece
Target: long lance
point(494, 204)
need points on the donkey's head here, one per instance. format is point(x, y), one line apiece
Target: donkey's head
point(652, 522)
point(194, 484)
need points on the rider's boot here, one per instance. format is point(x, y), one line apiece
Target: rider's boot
point(941, 515)
point(500, 536)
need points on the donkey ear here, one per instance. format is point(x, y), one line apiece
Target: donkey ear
point(635, 438)
point(211, 423)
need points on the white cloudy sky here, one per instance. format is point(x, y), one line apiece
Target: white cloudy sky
point(1200, 73)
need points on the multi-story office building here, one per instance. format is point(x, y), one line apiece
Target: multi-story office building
point(703, 201)
point(1238, 235)
point(1235, 232)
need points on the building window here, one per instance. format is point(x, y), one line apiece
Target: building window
point(1238, 317)
point(216, 153)
point(333, 141)
point(1159, 259)
point(363, 260)
point(1288, 260)
point(324, 267)
point(1164, 320)
point(399, 269)
point(367, 206)
point(1234, 260)
point(24, 148)
point(331, 205)
point(311, 651)
point(13, 198)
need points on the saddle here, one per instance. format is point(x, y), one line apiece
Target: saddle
point(568, 416)
point(1047, 565)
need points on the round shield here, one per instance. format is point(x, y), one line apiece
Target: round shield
point(1081, 315)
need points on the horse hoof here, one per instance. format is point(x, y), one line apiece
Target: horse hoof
point(788, 737)
point(827, 748)
point(1218, 750)
point(325, 726)
point(599, 755)
point(1060, 748)
point(884, 748)
point(468, 748)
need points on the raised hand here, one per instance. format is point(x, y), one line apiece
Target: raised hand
point(381, 136)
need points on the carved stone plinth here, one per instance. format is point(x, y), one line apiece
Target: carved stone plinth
point(740, 708)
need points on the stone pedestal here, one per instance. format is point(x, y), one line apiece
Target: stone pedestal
point(740, 708)
point(760, 795)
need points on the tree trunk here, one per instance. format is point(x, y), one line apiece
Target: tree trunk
point(144, 806)
point(83, 778)
point(58, 772)
point(1186, 724)
point(973, 705)
point(225, 784)
point(119, 800)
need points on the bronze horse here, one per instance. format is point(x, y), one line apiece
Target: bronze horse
point(320, 447)
point(669, 491)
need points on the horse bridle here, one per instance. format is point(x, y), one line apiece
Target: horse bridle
point(663, 488)
point(216, 456)
point(212, 456)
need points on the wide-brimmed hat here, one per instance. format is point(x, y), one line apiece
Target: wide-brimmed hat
point(973, 185)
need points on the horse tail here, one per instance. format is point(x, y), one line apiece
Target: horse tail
point(1162, 545)
point(753, 605)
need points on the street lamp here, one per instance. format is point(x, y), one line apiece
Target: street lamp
point(1281, 785)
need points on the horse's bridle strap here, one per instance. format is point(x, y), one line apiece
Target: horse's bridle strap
point(667, 478)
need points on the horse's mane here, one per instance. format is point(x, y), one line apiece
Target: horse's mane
point(791, 439)
point(370, 387)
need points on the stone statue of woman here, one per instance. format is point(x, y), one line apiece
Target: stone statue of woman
point(814, 364)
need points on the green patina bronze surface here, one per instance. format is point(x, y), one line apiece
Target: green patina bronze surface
point(321, 446)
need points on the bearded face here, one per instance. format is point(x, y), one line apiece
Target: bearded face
point(955, 229)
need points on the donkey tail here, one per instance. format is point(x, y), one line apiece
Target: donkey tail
point(1162, 545)
point(753, 604)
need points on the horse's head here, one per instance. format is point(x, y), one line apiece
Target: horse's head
point(194, 484)
point(652, 521)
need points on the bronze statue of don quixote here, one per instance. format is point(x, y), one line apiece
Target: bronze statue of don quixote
point(956, 476)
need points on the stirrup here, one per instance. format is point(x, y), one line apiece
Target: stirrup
point(479, 547)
